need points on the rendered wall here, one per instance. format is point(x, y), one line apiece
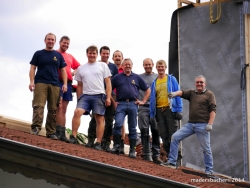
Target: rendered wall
point(216, 51)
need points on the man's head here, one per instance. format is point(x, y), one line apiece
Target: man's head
point(50, 40)
point(148, 65)
point(161, 67)
point(64, 43)
point(200, 83)
point(92, 53)
point(127, 65)
point(117, 58)
point(104, 53)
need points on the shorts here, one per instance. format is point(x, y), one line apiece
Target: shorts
point(96, 103)
point(67, 96)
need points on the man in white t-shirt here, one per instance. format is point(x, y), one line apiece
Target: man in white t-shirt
point(91, 94)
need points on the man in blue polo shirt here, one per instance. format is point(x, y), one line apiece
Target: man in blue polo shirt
point(46, 85)
point(127, 86)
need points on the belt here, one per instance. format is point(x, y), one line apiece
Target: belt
point(126, 100)
point(164, 108)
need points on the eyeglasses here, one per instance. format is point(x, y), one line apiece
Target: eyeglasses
point(199, 82)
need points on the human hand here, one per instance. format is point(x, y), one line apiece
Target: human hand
point(178, 115)
point(138, 102)
point(172, 95)
point(31, 87)
point(209, 127)
point(64, 88)
point(152, 121)
point(107, 102)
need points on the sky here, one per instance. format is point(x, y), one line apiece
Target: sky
point(140, 29)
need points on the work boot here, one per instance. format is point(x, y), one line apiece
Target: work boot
point(146, 144)
point(132, 148)
point(157, 160)
point(105, 145)
point(62, 135)
point(58, 130)
point(91, 141)
point(117, 144)
point(122, 147)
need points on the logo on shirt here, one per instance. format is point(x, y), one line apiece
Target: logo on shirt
point(133, 82)
point(55, 58)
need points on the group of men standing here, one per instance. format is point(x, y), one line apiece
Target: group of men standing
point(109, 92)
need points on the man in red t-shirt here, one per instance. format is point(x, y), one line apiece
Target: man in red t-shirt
point(72, 63)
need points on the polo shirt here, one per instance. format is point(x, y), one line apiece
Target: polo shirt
point(127, 87)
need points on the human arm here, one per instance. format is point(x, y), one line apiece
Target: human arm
point(64, 78)
point(32, 77)
point(145, 98)
point(79, 89)
point(108, 91)
point(175, 94)
point(210, 121)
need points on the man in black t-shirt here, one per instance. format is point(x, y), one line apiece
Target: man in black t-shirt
point(45, 84)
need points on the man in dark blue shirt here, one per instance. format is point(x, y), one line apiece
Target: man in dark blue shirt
point(127, 86)
point(110, 110)
point(45, 84)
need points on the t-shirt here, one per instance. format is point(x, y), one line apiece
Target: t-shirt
point(148, 78)
point(127, 87)
point(200, 105)
point(47, 63)
point(92, 76)
point(71, 62)
point(161, 92)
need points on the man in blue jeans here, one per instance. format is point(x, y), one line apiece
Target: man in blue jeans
point(202, 111)
point(127, 86)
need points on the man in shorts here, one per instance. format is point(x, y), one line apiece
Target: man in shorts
point(90, 92)
point(72, 63)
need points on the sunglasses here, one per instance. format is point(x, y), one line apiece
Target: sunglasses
point(199, 82)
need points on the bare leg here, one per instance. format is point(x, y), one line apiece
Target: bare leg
point(76, 120)
point(99, 127)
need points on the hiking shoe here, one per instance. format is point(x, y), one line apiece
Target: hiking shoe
point(72, 139)
point(35, 131)
point(169, 165)
point(52, 136)
point(97, 146)
point(62, 138)
point(157, 160)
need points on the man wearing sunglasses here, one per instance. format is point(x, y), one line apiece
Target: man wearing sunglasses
point(202, 111)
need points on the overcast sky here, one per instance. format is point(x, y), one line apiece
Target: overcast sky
point(138, 28)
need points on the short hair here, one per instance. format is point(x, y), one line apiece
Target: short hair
point(104, 48)
point(161, 62)
point(64, 37)
point(127, 59)
point(118, 51)
point(92, 48)
point(149, 59)
point(201, 76)
point(50, 34)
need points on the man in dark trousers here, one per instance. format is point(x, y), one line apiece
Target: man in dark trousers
point(46, 85)
point(144, 119)
point(202, 111)
point(127, 86)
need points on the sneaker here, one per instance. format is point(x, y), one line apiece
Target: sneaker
point(97, 146)
point(52, 136)
point(169, 165)
point(35, 131)
point(211, 175)
point(62, 138)
point(72, 139)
